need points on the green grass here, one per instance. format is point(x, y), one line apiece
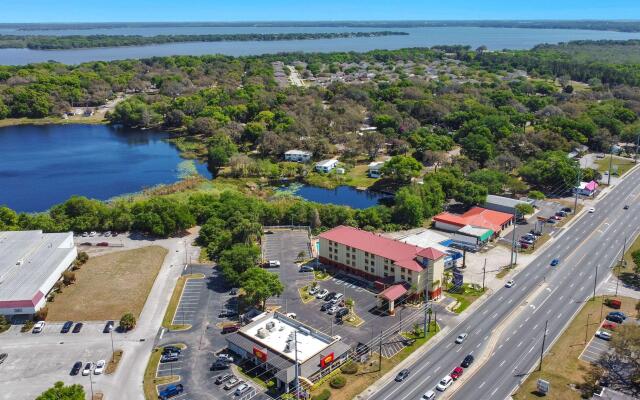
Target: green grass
point(504, 271)
point(150, 381)
point(623, 165)
point(466, 297)
point(255, 379)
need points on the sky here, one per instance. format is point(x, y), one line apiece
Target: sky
point(300, 10)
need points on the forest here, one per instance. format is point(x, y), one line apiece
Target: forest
point(42, 42)
point(462, 122)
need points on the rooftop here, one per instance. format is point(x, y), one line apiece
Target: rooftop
point(503, 201)
point(27, 260)
point(327, 163)
point(478, 217)
point(298, 152)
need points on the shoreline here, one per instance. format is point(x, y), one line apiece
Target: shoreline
point(9, 122)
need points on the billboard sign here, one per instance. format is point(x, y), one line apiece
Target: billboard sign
point(326, 360)
point(261, 354)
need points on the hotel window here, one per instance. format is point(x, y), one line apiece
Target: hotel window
point(373, 264)
point(393, 269)
point(402, 277)
point(386, 268)
point(366, 254)
point(386, 275)
point(373, 271)
point(330, 257)
point(366, 262)
point(409, 279)
point(366, 269)
point(348, 262)
point(353, 256)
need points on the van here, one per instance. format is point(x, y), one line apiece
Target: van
point(230, 328)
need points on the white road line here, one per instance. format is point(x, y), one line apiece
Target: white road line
point(502, 363)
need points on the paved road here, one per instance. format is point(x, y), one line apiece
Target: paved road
point(507, 330)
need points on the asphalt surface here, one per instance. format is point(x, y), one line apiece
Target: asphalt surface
point(506, 331)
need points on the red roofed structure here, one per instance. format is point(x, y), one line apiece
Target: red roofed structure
point(476, 217)
point(383, 261)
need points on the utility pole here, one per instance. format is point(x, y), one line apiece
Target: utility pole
point(113, 352)
point(586, 329)
point(624, 248)
point(575, 202)
point(595, 282)
point(635, 156)
point(380, 353)
point(484, 272)
point(400, 327)
point(544, 338)
point(610, 163)
point(295, 341)
point(424, 327)
point(513, 242)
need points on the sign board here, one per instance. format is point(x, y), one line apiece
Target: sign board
point(458, 278)
point(543, 386)
point(326, 360)
point(261, 354)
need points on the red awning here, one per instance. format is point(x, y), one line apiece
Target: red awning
point(393, 292)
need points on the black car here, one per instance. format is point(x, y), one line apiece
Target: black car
point(171, 357)
point(66, 327)
point(330, 296)
point(342, 312)
point(218, 365)
point(468, 360)
point(233, 292)
point(76, 368)
point(402, 375)
point(326, 306)
point(108, 327)
point(626, 207)
point(566, 209)
point(3, 356)
point(78, 327)
point(615, 318)
point(171, 349)
point(227, 314)
point(222, 378)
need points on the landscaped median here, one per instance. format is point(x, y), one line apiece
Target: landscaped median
point(112, 365)
point(465, 296)
point(353, 378)
point(167, 321)
point(151, 381)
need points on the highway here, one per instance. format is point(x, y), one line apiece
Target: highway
point(506, 331)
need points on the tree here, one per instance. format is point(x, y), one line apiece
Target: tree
point(373, 141)
point(408, 209)
point(161, 217)
point(8, 219)
point(536, 195)
point(237, 260)
point(471, 194)
point(260, 284)
point(401, 168)
point(524, 209)
point(127, 322)
point(623, 363)
point(61, 392)
point(220, 150)
point(68, 277)
point(478, 148)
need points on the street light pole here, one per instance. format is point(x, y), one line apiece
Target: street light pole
point(484, 272)
point(586, 329)
point(91, 383)
point(544, 338)
point(624, 248)
point(595, 282)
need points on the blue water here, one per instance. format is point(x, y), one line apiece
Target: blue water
point(493, 38)
point(342, 196)
point(44, 165)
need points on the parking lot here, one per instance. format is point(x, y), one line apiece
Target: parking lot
point(190, 302)
point(594, 350)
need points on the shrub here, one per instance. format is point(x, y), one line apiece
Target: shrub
point(127, 322)
point(83, 257)
point(338, 382)
point(324, 395)
point(349, 368)
point(68, 277)
point(27, 326)
point(4, 323)
point(41, 314)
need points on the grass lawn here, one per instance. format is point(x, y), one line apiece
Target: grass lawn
point(97, 118)
point(150, 382)
point(369, 374)
point(109, 286)
point(561, 367)
point(175, 300)
point(304, 294)
point(466, 297)
point(112, 365)
point(358, 176)
point(622, 164)
point(504, 271)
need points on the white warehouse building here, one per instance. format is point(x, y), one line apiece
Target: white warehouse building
point(31, 262)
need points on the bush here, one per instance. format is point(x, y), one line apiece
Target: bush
point(68, 277)
point(127, 322)
point(82, 257)
point(349, 368)
point(41, 314)
point(324, 395)
point(27, 326)
point(4, 323)
point(338, 382)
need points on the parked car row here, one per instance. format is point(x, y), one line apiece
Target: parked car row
point(170, 354)
point(94, 234)
point(334, 302)
point(230, 381)
point(66, 327)
point(97, 368)
point(445, 382)
point(222, 361)
point(529, 239)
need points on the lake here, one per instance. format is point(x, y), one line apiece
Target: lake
point(46, 164)
point(342, 195)
point(493, 38)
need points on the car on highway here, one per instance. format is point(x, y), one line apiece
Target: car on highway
point(402, 375)
point(274, 264)
point(468, 360)
point(619, 313)
point(604, 335)
point(444, 383)
point(99, 369)
point(220, 379)
point(461, 337)
point(242, 389)
point(170, 391)
point(108, 327)
point(87, 369)
point(313, 290)
point(38, 327)
point(615, 318)
point(509, 283)
point(78, 327)
point(66, 327)
point(306, 268)
point(592, 210)
point(555, 262)
point(322, 294)
point(76, 368)
point(456, 373)
point(626, 207)
point(429, 395)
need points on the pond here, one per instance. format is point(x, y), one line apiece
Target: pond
point(341, 195)
point(42, 165)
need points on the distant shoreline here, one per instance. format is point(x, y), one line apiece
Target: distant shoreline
point(600, 25)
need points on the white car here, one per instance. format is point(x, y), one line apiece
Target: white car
point(224, 357)
point(241, 389)
point(274, 263)
point(337, 298)
point(444, 383)
point(509, 283)
point(99, 367)
point(429, 395)
point(38, 327)
point(332, 309)
point(592, 210)
point(87, 369)
point(461, 337)
point(313, 290)
point(107, 233)
point(322, 294)
point(604, 335)
point(85, 234)
point(292, 315)
point(93, 233)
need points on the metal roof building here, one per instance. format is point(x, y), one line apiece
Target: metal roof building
point(31, 262)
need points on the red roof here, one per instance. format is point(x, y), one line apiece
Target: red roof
point(477, 216)
point(400, 253)
point(393, 292)
point(431, 254)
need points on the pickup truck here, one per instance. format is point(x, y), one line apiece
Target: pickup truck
point(170, 391)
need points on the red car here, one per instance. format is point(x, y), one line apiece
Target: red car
point(103, 244)
point(609, 325)
point(456, 373)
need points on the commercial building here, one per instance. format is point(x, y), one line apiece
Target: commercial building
point(504, 204)
point(274, 342)
point(297, 156)
point(432, 238)
point(384, 262)
point(476, 217)
point(326, 165)
point(586, 188)
point(31, 262)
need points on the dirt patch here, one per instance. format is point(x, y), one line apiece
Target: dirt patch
point(109, 286)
